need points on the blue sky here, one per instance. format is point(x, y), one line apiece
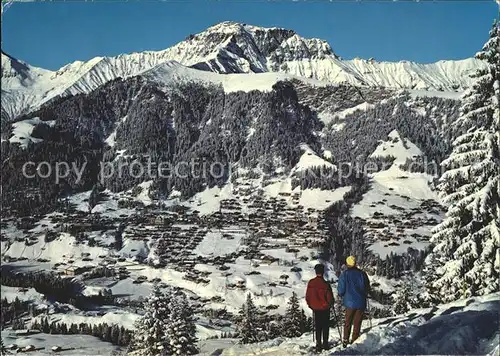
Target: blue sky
point(50, 35)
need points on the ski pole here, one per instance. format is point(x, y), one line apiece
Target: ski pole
point(369, 312)
point(314, 329)
point(337, 322)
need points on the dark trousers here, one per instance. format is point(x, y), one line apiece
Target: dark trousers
point(353, 318)
point(322, 326)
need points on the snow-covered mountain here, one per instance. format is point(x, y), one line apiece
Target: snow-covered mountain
point(228, 47)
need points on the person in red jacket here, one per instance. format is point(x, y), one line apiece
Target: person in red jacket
point(319, 298)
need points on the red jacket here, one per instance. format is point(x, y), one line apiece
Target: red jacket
point(319, 295)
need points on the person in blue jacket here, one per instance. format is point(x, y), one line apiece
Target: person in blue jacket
point(353, 287)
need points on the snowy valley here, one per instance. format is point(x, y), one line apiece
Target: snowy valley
point(316, 158)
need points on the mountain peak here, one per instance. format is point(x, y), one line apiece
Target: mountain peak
point(225, 48)
point(233, 47)
point(13, 68)
point(240, 26)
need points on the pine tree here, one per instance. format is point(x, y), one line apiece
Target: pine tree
point(248, 326)
point(180, 329)
point(119, 236)
point(401, 298)
point(292, 321)
point(273, 329)
point(160, 252)
point(93, 198)
point(115, 334)
point(305, 322)
point(150, 336)
point(466, 259)
point(45, 325)
point(18, 324)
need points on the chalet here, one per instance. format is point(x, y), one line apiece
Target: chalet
point(73, 271)
point(312, 220)
point(26, 332)
point(267, 260)
point(160, 220)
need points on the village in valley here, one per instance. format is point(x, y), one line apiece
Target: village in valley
point(88, 268)
point(109, 250)
point(262, 240)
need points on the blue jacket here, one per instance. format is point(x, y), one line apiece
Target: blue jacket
point(353, 286)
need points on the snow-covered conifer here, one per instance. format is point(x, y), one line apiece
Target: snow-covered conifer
point(401, 301)
point(305, 322)
point(248, 326)
point(180, 328)
point(466, 259)
point(292, 322)
point(150, 337)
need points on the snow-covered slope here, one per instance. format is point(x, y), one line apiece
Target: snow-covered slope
point(310, 159)
point(394, 180)
point(174, 72)
point(396, 194)
point(22, 131)
point(39, 86)
point(396, 147)
point(463, 327)
point(445, 75)
point(228, 47)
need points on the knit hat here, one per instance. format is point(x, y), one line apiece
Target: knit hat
point(350, 261)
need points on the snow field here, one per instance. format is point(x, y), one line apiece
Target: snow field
point(396, 189)
point(452, 329)
point(394, 147)
point(29, 294)
point(77, 345)
point(22, 130)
